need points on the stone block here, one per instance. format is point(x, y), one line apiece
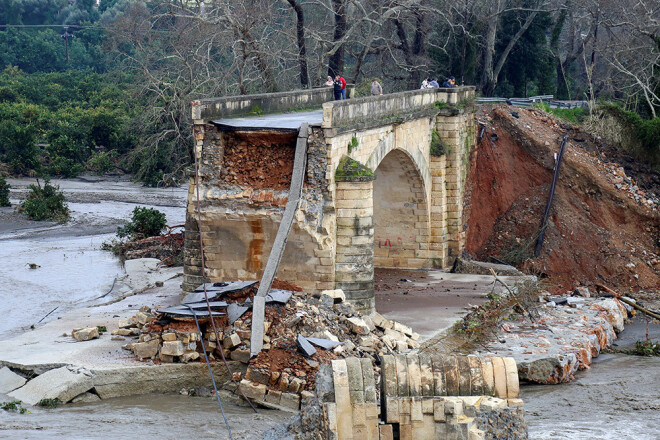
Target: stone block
point(358, 326)
point(85, 334)
point(499, 375)
point(231, 341)
point(381, 322)
point(337, 295)
point(172, 348)
point(241, 355)
point(9, 380)
point(273, 396)
point(256, 391)
point(385, 432)
point(512, 385)
point(145, 350)
point(290, 400)
point(169, 336)
point(189, 356)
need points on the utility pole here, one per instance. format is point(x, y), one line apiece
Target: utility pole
point(66, 35)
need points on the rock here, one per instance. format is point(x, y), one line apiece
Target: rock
point(122, 332)
point(327, 301)
point(9, 380)
point(172, 348)
point(169, 337)
point(345, 308)
point(86, 398)
point(127, 323)
point(231, 341)
point(614, 314)
point(145, 350)
point(256, 391)
point(62, 383)
point(305, 347)
point(380, 321)
point(358, 326)
point(241, 355)
point(189, 356)
point(582, 291)
point(144, 318)
point(166, 358)
point(337, 295)
point(85, 334)
point(402, 328)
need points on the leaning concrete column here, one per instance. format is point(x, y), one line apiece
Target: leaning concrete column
point(354, 263)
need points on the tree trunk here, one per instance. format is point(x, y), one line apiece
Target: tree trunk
point(487, 86)
point(336, 61)
point(302, 49)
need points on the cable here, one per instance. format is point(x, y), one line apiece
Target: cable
point(208, 364)
point(206, 296)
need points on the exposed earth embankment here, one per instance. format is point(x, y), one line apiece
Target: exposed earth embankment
point(604, 222)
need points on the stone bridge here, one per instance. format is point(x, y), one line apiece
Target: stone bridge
point(383, 186)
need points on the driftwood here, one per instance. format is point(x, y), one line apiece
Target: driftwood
point(627, 301)
point(500, 281)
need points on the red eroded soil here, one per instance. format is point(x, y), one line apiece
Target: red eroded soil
point(597, 232)
point(259, 159)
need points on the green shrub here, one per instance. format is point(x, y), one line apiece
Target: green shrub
point(145, 222)
point(14, 406)
point(101, 163)
point(571, 115)
point(45, 203)
point(49, 403)
point(4, 192)
point(438, 148)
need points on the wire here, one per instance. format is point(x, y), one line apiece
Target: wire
point(208, 364)
point(206, 296)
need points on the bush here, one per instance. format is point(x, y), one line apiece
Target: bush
point(145, 222)
point(4, 192)
point(45, 203)
point(101, 163)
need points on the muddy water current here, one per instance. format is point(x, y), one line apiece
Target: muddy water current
point(618, 398)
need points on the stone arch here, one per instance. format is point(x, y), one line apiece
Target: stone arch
point(400, 213)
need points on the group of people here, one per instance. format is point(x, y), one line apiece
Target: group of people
point(339, 85)
point(433, 83)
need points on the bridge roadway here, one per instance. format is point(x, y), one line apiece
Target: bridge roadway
point(278, 122)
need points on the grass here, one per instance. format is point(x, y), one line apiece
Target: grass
point(14, 406)
point(49, 403)
point(438, 148)
point(573, 116)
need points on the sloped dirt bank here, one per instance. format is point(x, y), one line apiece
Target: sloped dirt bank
point(603, 227)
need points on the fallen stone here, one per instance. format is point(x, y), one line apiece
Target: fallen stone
point(172, 348)
point(127, 323)
point(189, 356)
point(613, 312)
point(145, 350)
point(358, 326)
point(290, 400)
point(241, 355)
point(231, 341)
point(9, 380)
point(337, 295)
point(327, 301)
point(122, 332)
point(256, 391)
point(326, 344)
point(582, 291)
point(169, 336)
point(85, 334)
point(304, 346)
point(380, 321)
point(62, 383)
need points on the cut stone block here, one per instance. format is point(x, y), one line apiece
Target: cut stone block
point(252, 390)
point(290, 400)
point(358, 326)
point(172, 348)
point(85, 334)
point(145, 350)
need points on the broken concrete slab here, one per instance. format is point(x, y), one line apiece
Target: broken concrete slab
point(9, 380)
point(279, 296)
point(326, 344)
point(234, 312)
point(63, 383)
point(305, 347)
point(217, 290)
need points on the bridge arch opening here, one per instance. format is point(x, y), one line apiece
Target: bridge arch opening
point(400, 214)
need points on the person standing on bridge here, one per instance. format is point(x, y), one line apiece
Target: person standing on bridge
point(434, 84)
point(329, 82)
point(376, 88)
point(337, 88)
point(343, 87)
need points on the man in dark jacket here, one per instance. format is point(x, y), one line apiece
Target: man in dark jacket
point(337, 88)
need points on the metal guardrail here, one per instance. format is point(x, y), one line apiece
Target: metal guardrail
point(532, 100)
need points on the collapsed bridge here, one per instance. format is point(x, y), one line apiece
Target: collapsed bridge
point(383, 186)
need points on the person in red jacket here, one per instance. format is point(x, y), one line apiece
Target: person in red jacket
point(343, 87)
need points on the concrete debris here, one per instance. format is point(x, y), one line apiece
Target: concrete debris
point(62, 383)
point(234, 312)
point(337, 295)
point(305, 347)
point(85, 334)
point(218, 290)
point(326, 344)
point(279, 296)
point(9, 380)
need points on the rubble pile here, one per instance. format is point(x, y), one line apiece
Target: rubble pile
point(571, 331)
point(301, 333)
point(617, 175)
point(167, 248)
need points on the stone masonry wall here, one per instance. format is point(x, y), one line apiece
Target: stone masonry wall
point(440, 397)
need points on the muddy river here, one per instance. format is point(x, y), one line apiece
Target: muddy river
point(618, 398)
